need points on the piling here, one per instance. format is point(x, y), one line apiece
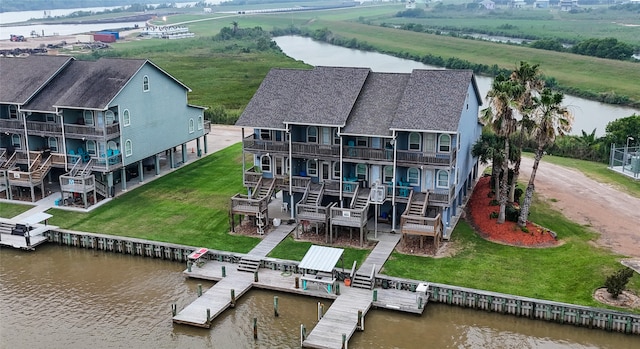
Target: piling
point(303, 334)
point(174, 309)
point(359, 325)
point(276, 313)
point(255, 328)
point(233, 298)
point(337, 289)
point(319, 311)
point(208, 314)
point(224, 271)
point(297, 282)
point(344, 341)
point(375, 295)
point(255, 276)
point(199, 290)
point(189, 266)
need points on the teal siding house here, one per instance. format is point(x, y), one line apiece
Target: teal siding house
point(345, 145)
point(91, 126)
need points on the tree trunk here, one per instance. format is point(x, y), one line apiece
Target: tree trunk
point(495, 178)
point(514, 181)
point(526, 203)
point(504, 184)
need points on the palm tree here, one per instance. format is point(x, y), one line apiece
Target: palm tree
point(499, 115)
point(529, 77)
point(551, 120)
point(235, 27)
point(489, 149)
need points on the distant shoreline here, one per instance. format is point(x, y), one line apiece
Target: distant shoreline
point(131, 18)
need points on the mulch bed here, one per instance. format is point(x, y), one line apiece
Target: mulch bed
point(479, 210)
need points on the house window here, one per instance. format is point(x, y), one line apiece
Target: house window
point(312, 134)
point(445, 143)
point(265, 134)
point(361, 172)
point(112, 145)
point(53, 144)
point(128, 148)
point(15, 141)
point(192, 125)
point(362, 142)
point(145, 84)
point(126, 117)
point(200, 122)
point(91, 147)
point(414, 141)
point(336, 170)
point(13, 112)
point(265, 163)
point(430, 143)
point(413, 176)
point(388, 174)
point(312, 168)
point(443, 179)
point(336, 138)
point(109, 117)
point(88, 117)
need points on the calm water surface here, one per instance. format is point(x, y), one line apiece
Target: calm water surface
point(61, 297)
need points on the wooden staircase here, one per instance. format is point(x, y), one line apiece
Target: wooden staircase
point(314, 194)
point(249, 264)
point(417, 204)
point(360, 279)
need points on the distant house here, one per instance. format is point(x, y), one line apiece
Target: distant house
point(336, 141)
point(488, 4)
point(518, 4)
point(541, 4)
point(89, 125)
point(411, 4)
point(568, 5)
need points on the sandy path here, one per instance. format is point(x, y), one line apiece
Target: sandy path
point(608, 211)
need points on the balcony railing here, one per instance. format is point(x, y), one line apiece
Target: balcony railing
point(79, 131)
point(72, 184)
point(413, 157)
point(44, 128)
point(250, 143)
point(12, 125)
point(443, 196)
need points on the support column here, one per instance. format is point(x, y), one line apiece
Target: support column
point(205, 143)
point(140, 171)
point(123, 174)
point(156, 161)
point(109, 184)
point(172, 163)
point(184, 153)
point(198, 150)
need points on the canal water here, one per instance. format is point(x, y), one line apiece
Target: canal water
point(589, 115)
point(63, 297)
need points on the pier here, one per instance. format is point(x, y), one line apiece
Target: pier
point(230, 286)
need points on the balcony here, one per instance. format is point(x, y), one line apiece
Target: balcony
point(12, 125)
point(36, 128)
point(442, 196)
point(405, 157)
point(92, 132)
point(252, 144)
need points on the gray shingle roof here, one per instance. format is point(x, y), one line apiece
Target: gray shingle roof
point(49, 96)
point(366, 103)
point(380, 96)
point(21, 77)
point(322, 96)
point(433, 100)
point(96, 84)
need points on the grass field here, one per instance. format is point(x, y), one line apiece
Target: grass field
point(9, 210)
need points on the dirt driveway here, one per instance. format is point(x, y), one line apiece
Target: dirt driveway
point(608, 211)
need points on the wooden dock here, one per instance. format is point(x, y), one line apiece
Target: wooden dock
point(214, 301)
point(342, 317)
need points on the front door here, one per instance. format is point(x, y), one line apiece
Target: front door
point(325, 171)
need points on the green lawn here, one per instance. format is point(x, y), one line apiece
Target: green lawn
point(596, 171)
point(9, 210)
point(567, 273)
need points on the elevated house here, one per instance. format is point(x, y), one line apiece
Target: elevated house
point(89, 126)
point(327, 137)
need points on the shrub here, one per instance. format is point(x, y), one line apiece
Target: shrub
point(494, 202)
point(512, 213)
point(517, 194)
point(493, 215)
point(616, 283)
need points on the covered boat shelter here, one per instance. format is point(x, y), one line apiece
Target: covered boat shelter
point(317, 266)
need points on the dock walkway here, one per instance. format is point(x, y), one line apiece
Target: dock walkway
point(342, 317)
point(218, 297)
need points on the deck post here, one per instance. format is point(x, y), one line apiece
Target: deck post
point(303, 334)
point(189, 266)
point(344, 341)
point(255, 276)
point(297, 282)
point(233, 298)
point(224, 271)
point(199, 290)
point(275, 306)
point(375, 295)
point(360, 324)
point(319, 312)
point(174, 309)
point(208, 315)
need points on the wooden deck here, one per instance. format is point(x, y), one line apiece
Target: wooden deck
point(218, 297)
point(342, 316)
